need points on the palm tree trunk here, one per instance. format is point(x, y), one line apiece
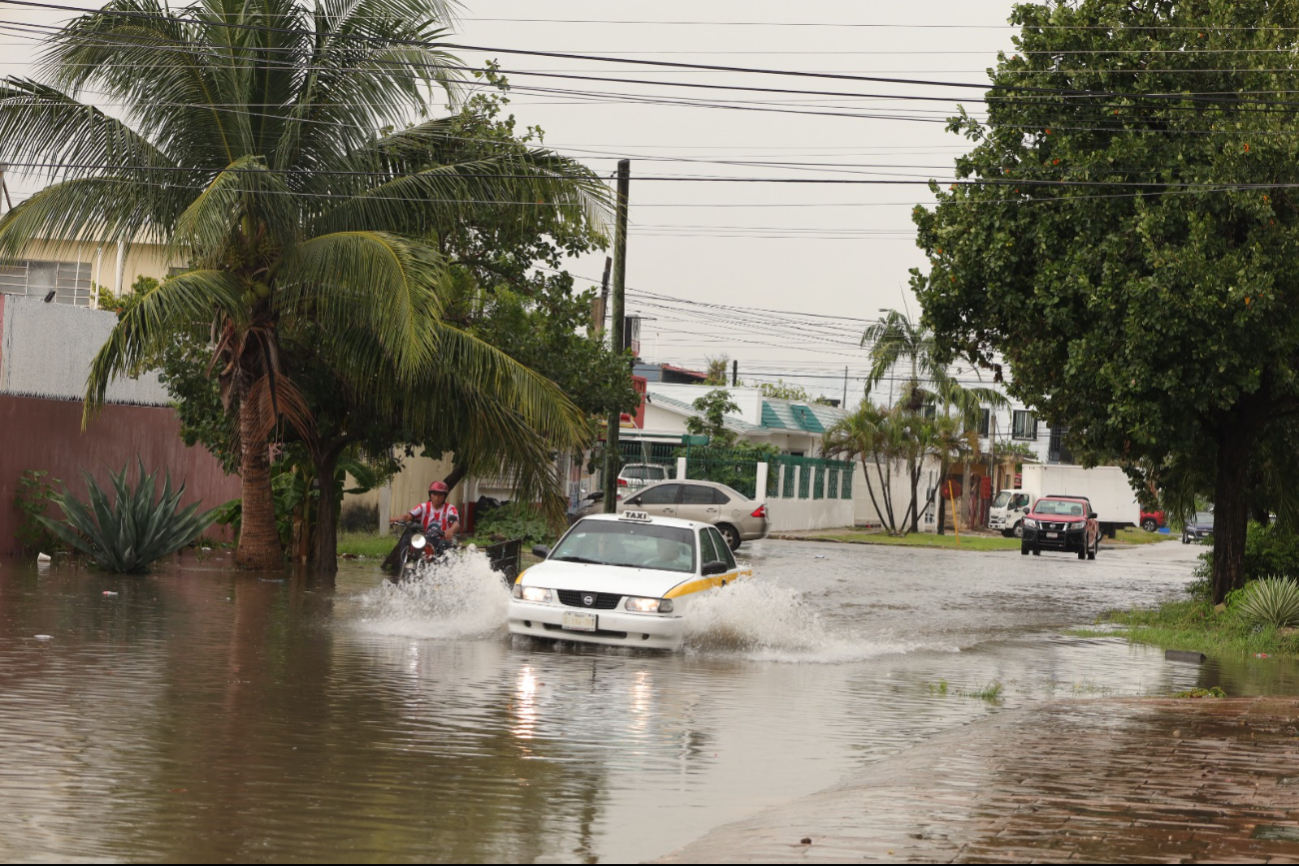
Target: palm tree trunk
point(865, 471)
point(942, 485)
point(259, 538)
point(324, 553)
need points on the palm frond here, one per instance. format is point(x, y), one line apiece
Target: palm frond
point(375, 281)
point(146, 327)
point(245, 190)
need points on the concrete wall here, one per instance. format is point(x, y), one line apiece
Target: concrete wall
point(46, 351)
point(46, 435)
point(864, 511)
point(796, 514)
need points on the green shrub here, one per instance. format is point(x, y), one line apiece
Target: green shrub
point(516, 520)
point(132, 531)
point(1270, 601)
point(34, 496)
point(1269, 551)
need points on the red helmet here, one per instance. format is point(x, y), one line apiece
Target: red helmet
point(439, 487)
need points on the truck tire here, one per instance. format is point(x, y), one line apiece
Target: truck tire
point(1018, 531)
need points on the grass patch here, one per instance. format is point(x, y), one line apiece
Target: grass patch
point(922, 539)
point(1134, 535)
point(991, 692)
point(1196, 625)
point(368, 544)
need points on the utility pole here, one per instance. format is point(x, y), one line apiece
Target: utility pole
point(735, 373)
point(617, 335)
point(844, 404)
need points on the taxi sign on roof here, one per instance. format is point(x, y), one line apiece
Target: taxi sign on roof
point(634, 515)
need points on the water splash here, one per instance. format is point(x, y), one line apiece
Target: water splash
point(460, 598)
point(765, 621)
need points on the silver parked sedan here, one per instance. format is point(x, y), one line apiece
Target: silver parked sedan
point(736, 516)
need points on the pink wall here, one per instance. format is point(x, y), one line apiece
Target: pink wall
point(46, 435)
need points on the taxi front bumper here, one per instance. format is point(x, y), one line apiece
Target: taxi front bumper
point(613, 627)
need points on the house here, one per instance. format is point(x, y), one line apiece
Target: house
point(71, 269)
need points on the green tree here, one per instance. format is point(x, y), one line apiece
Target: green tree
point(872, 435)
point(1123, 237)
point(718, 370)
point(251, 142)
point(711, 422)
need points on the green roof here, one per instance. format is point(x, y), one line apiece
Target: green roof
point(806, 417)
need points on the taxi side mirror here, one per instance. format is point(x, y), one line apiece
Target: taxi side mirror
point(541, 550)
point(717, 566)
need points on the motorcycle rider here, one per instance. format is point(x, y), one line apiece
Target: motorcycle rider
point(435, 512)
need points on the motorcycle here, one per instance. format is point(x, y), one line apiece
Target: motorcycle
point(421, 548)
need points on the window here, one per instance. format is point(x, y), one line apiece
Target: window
point(633, 545)
point(723, 549)
point(696, 494)
point(1023, 425)
point(930, 411)
point(985, 421)
point(70, 281)
point(707, 547)
point(662, 494)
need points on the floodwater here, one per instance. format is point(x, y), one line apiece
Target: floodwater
point(202, 714)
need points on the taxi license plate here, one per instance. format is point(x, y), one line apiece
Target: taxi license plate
point(579, 621)
point(1053, 535)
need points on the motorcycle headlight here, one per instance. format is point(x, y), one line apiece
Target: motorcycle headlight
point(531, 593)
point(649, 605)
point(418, 542)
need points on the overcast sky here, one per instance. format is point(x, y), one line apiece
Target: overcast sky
point(835, 254)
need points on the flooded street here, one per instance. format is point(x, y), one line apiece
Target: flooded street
point(202, 714)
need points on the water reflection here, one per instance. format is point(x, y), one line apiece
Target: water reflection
point(203, 714)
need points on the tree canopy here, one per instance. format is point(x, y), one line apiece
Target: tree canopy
point(268, 143)
point(1122, 237)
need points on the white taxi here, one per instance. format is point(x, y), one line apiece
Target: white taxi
point(622, 580)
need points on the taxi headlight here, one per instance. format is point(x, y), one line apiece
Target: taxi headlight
point(649, 605)
point(531, 593)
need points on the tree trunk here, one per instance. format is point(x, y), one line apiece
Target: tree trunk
point(324, 552)
point(1230, 511)
point(458, 472)
point(942, 485)
point(259, 538)
point(915, 496)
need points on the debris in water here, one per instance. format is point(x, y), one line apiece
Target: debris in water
point(43, 557)
point(109, 593)
point(819, 556)
point(45, 637)
point(807, 840)
point(1261, 655)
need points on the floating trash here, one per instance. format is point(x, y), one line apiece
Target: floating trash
point(45, 637)
point(109, 592)
point(43, 557)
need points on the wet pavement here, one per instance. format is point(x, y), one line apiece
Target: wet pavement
point(1126, 781)
point(204, 714)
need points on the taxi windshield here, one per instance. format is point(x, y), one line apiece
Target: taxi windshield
point(628, 544)
point(1059, 508)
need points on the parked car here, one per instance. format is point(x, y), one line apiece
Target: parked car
point(625, 580)
point(1061, 523)
point(634, 476)
point(1152, 520)
point(735, 515)
point(1198, 528)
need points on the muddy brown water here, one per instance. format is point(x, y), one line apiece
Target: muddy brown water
point(203, 714)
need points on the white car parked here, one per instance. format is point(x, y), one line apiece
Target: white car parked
point(622, 580)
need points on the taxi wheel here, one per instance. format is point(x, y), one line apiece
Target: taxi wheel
point(731, 534)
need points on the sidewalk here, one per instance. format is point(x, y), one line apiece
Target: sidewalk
point(1109, 780)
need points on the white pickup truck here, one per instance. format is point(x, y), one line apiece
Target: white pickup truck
point(1106, 487)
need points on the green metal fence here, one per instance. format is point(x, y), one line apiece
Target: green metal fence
point(661, 453)
point(809, 478)
point(737, 470)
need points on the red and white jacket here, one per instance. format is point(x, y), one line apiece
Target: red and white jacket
point(427, 515)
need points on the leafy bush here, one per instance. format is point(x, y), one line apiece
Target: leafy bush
point(1269, 551)
point(134, 530)
point(1271, 601)
point(32, 499)
point(516, 520)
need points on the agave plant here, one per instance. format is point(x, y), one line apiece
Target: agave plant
point(135, 529)
point(1271, 601)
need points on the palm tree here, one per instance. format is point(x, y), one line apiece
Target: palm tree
point(256, 141)
point(871, 435)
point(895, 340)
